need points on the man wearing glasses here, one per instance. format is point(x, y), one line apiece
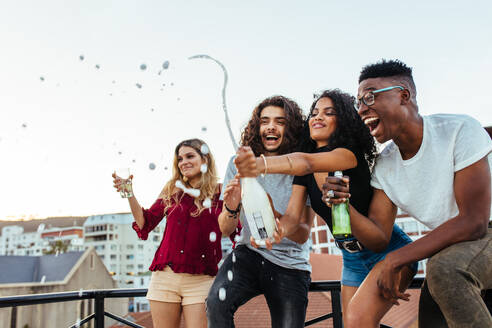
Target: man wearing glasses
point(436, 169)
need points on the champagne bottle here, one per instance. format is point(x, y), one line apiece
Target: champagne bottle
point(258, 211)
point(340, 217)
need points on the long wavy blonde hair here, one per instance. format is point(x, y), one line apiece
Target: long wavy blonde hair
point(207, 184)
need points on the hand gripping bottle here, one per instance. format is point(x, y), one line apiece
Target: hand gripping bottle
point(258, 211)
point(340, 217)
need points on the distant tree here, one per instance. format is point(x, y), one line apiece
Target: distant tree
point(57, 247)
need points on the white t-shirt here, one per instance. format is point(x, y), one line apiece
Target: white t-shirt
point(422, 186)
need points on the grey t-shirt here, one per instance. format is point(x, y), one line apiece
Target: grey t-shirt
point(287, 253)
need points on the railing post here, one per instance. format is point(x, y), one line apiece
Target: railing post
point(13, 317)
point(99, 310)
point(336, 307)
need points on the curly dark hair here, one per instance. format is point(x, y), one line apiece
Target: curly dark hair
point(388, 68)
point(294, 120)
point(350, 130)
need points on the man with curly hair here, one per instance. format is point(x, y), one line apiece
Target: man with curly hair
point(436, 169)
point(281, 274)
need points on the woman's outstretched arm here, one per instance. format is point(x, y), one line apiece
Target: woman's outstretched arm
point(295, 163)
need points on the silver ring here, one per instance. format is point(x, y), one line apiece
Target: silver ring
point(330, 194)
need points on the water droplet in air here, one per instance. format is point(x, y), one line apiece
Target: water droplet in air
point(41, 78)
point(165, 65)
point(81, 57)
point(203, 168)
point(98, 67)
point(204, 149)
point(152, 166)
point(233, 257)
point(222, 294)
point(213, 236)
point(207, 203)
point(143, 67)
point(138, 85)
point(229, 275)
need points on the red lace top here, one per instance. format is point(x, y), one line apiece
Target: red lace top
point(187, 245)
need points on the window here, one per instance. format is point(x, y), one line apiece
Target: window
point(130, 257)
point(113, 256)
point(129, 246)
point(140, 247)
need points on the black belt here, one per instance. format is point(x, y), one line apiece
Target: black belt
point(351, 246)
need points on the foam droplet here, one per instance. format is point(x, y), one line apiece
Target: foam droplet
point(204, 149)
point(213, 236)
point(165, 65)
point(222, 294)
point(193, 192)
point(229, 275)
point(179, 184)
point(41, 227)
point(207, 203)
point(152, 166)
point(143, 67)
point(203, 168)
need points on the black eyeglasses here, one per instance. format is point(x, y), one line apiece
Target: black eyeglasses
point(369, 98)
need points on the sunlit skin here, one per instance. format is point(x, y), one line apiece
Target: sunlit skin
point(322, 123)
point(272, 127)
point(189, 162)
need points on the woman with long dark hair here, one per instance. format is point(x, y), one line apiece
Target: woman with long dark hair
point(336, 139)
point(185, 263)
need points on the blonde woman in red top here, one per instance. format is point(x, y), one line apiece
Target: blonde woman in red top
point(186, 261)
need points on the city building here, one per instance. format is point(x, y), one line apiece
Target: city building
point(72, 271)
point(15, 241)
point(119, 247)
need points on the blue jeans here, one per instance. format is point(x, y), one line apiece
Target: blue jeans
point(356, 266)
point(285, 290)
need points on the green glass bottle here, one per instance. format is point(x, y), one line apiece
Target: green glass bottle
point(340, 217)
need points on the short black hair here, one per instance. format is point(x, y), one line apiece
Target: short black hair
point(388, 68)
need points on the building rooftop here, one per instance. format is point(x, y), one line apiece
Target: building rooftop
point(117, 218)
point(25, 269)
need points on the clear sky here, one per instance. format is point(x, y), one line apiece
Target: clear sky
point(61, 138)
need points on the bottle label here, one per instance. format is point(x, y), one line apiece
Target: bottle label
point(260, 225)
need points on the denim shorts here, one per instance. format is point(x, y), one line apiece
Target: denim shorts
point(356, 266)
